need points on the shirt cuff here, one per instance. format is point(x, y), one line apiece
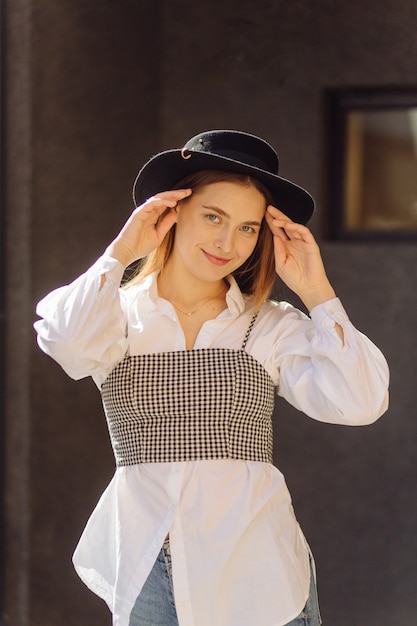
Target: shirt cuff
point(328, 314)
point(113, 269)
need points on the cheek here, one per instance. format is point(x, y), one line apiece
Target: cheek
point(248, 247)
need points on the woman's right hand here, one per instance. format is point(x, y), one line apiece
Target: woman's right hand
point(146, 227)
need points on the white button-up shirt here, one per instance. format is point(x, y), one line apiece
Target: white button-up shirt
point(239, 556)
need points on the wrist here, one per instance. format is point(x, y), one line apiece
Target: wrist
point(314, 297)
point(119, 252)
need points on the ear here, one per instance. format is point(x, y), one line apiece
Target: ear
point(181, 206)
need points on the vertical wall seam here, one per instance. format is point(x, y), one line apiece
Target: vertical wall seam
point(17, 219)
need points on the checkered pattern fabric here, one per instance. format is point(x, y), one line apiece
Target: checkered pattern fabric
point(210, 403)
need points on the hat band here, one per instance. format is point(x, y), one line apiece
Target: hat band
point(241, 158)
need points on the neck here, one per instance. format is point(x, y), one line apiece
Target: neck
point(187, 291)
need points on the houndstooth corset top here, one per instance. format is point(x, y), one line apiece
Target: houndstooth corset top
point(203, 404)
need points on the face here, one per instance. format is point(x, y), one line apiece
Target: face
point(217, 229)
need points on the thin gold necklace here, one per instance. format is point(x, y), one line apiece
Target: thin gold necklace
point(189, 314)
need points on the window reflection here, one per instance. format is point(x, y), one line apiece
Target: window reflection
point(380, 191)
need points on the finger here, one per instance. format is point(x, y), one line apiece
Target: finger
point(281, 233)
point(155, 207)
point(293, 230)
point(292, 233)
point(277, 213)
point(279, 253)
point(174, 194)
point(164, 199)
point(278, 227)
point(166, 222)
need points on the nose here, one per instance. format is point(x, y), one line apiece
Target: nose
point(225, 239)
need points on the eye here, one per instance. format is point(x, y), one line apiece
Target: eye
point(248, 229)
point(211, 217)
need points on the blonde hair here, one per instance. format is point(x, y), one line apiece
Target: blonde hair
point(257, 274)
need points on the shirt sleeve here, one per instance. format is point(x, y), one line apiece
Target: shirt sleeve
point(335, 381)
point(83, 325)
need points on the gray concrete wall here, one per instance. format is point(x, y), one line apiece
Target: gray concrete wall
point(92, 89)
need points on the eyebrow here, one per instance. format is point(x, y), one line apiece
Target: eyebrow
point(216, 209)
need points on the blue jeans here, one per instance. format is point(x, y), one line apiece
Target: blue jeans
point(310, 615)
point(155, 604)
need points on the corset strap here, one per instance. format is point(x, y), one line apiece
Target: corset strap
point(249, 330)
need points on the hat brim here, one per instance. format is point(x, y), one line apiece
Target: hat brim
point(163, 171)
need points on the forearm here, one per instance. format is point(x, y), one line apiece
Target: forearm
point(316, 296)
point(342, 384)
point(82, 324)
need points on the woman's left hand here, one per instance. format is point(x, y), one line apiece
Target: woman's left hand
point(298, 260)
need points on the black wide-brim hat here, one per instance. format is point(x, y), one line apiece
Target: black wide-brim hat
point(230, 151)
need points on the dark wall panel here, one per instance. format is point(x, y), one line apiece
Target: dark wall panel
point(81, 116)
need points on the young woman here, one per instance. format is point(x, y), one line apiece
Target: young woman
point(197, 527)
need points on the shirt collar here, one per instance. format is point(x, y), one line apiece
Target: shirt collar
point(147, 290)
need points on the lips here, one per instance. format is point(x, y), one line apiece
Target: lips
point(215, 260)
